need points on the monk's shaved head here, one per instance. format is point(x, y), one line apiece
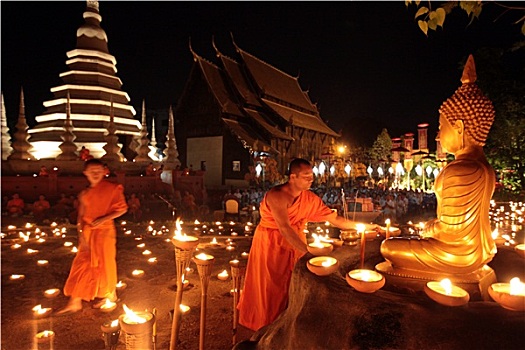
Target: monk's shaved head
point(297, 164)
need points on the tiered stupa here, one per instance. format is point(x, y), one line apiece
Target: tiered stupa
point(92, 83)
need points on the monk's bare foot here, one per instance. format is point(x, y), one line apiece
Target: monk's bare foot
point(68, 310)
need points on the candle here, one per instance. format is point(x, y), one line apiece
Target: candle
point(245, 255)
point(31, 251)
point(387, 223)
point(39, 311)
point(152, 261)
point(141, 245)
point(520, 249)
point(15, 246)
point(138, 273)
point(108, 306)
point(68, 244)
point(510, 296)
point(146, 252)
point(110, 326)
point(445, 293)
point(183, 241)
point(319, 248)
point(121, 285)
point(365, 281)
point(45, 336)
point(230, 248)
point(203, 258)
point(214, 241)
point(223, 276)
point(16, 277)
point(42, 262)
point(322, 265)
point(51, 293)
point(361, 230)
point(131, 317)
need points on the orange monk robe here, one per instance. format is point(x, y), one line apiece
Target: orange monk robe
point(94, 270)
point(272, 260)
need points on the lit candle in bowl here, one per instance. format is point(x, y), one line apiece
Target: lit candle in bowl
point(121, 285)
point(152, 261)
point(365, 281)
point(511, 295)
point(108, 306)
point(445, 293)
point(40, 312)
point(183, 241)
point(51, 293)
point(520, 249)
point(16, 277)
point(322, 265)
point(137, 273)
point(318, 248)
point(44, 337)
point(223, 276)
point(203, 259)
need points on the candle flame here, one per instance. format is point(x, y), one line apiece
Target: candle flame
point(132, 316)
point(326, 263)
point(360, 227)
point(203, 256)
point(108, 304)
point(365, 275)
point(447, 285)
point(495, 233)
point(387, 222)
point(184, 308)
point(114, 323)
point(517, 287)
point(224, 273)
point(214, 241)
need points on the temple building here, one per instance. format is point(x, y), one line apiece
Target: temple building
point(94, 93)
point(235, 113)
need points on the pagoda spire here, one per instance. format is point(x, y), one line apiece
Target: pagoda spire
point(111, 147)
point(153, 144)
point(6, 138)
point(21, 145)
point(171, 160)
point(68, 147)
point(143, 149)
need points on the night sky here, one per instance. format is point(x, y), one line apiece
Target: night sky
point(366, 64)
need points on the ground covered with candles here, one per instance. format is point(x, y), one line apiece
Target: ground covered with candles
point(38, 259)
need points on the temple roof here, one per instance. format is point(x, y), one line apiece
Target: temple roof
point(248, 136)
point(234, 72)
point(220, 91)
point(274, 131)
point(303, 120)
point(275, 83)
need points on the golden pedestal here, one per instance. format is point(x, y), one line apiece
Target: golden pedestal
point(412, 281)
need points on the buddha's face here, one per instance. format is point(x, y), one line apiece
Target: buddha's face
point(450, 136)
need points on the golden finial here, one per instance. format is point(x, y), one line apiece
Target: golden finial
point(469, 72)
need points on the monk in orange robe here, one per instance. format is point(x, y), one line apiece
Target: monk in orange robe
point(94, 270)
point(279, 242)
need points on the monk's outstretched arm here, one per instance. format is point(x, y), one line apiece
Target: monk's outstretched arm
point(278, 204)
point(346, 224)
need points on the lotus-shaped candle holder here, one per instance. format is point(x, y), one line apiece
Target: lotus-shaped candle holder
point(320, 248)
point(503, 294)
point(322, 265)
point(365, 281)
point(446, 294)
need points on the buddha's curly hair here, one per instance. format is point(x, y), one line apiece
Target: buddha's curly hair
point(475, 109)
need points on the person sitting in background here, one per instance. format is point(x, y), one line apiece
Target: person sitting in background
point(150, 170)
point(15, 206)
point(41, 208)
point(43, 171)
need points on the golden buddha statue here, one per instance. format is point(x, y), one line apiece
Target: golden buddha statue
point(458, 242)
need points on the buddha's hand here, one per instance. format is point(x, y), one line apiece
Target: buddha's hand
point(430, 229)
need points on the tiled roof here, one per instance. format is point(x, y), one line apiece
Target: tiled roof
point(276, 83)
point(219, 89)
point(303, 120)
point(248, 136)
point(236, 75)
point(272, 129)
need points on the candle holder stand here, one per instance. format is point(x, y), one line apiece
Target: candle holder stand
point(110, 334)
point(204, 269)
point(139, 336)
point(238, 269)
point(182, 261)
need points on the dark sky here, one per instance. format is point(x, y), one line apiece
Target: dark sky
point(366, 64)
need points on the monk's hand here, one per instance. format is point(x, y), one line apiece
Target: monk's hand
point(97, 221)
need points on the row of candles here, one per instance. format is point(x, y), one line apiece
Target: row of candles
point(509, 295)
point(108, 306)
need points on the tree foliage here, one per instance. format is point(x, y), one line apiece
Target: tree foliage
point(382, 147)
point(433, 15)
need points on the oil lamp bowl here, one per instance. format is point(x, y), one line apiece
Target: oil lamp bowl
point(500, 292)
point(375, 281)
point(189, 244)
point(436, 292)
point(337, 242)
point(394, 231)
point(322, 249)
point(520, 249)
point(349, 237)
point(315, 265)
